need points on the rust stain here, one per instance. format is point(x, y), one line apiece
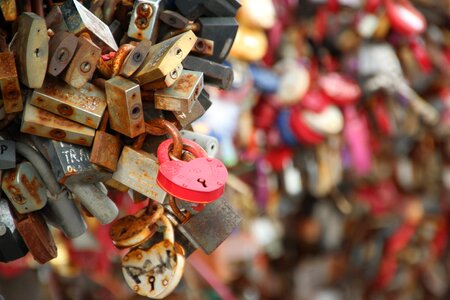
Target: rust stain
point(32, 187)
point(185, 83)
point(8, 65)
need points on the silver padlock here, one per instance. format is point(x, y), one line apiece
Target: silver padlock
point(209, 143)
point(70, 163)
point(61, 209)
point(95, 201)
point(211, 226)
point(24, 188)
point(144, 20)
point(12, 246)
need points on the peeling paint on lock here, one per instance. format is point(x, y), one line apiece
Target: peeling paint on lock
point(182, 94)
point(9, 83)
point(164, 57)
point(137, 170)
point(144, 20)
point(24, 188)
point(85, 105)
point(39, 122)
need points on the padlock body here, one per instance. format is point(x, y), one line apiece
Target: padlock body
point(105, 150)
point(137, 170)
point(135, 59)
point(39, 122)
point(7, 154)
point(12, 246)
point(85, 105)
point(24, 188)
point(144, 20)
point(125, 106)
point(9, 83)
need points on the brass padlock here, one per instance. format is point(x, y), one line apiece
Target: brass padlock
point(24, 188)
point(106, 147)
point(144, 20)
point(83, 64)
point(137, 170)
point(32, 49)
point(182, 94)
point(79, 19)
point(39, 122)
point(85, 105)
point(9, 83)
point(62, 48)
point(165, 81)
point(124, 106)
point(203, 47)
point(165, 56)
point(135, 58)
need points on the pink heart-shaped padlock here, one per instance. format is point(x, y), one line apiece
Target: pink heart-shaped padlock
point(201, 180)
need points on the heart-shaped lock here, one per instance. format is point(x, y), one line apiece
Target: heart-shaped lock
point(155, 272)
point(201, 180)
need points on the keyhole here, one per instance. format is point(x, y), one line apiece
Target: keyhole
point(202, 181)
point(151, 280)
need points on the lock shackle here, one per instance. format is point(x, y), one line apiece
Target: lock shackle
point(169, 233)
point(165, 150)
point(161, 127)
point(120, 57)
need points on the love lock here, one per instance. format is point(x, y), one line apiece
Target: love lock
point(155, 272)
point(201, 180)
point(133, 230)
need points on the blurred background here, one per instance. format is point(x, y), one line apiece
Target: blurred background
point(336, 135)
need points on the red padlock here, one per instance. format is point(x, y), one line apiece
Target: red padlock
point(303, 133)
point(201, 180)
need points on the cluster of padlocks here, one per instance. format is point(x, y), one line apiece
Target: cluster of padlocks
point(82, 115)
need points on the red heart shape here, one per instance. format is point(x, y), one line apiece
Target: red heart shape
point(201, 180)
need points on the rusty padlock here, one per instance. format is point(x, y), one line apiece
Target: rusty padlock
point(62, 48)
point(144, 20)
point(9, 83)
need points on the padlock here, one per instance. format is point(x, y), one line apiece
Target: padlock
point(60, 208)
point(404, 18)
point(124, 106)
point(36, 235)
point(9, 10)
point(133, 230)
point(156, 271)
point(137, 170)
point(222, 30)
point(329, 121)
point(83, 64)
point(42, 123)
point(61, 49)
point(106, 147)
point(144, 20)
point(185, 119)
point(12, 246)
point(79, 19)
point(174, 19)
point(164, 57)
point(7, 154)
point(9, 83)
point(209, 143)
point(193, 9)
point(32, 49)
point(24, 188)
point(85, 105)
point(135, 59)
point(182, 94)
point(340, 89)
point(201, 180)
point(71, 163)
point(213, 73)
point(165, 81)
point(218, 215)
point(54, 20)
point(95, 201)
